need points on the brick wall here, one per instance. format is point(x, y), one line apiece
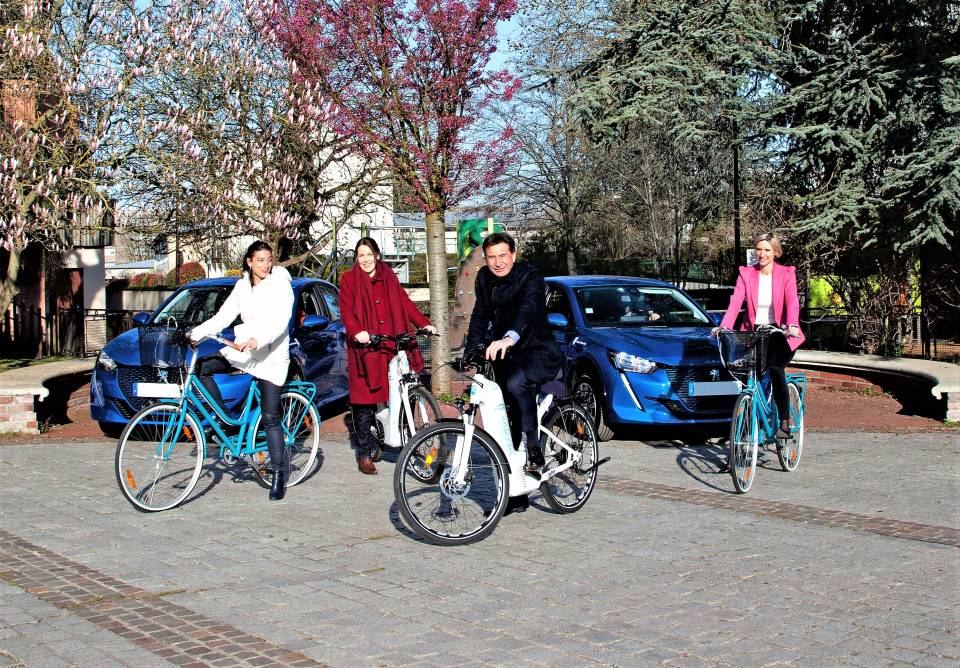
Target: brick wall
point(17, 414)
point(837, 379)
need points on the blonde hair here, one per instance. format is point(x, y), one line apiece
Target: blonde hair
point(772, 239)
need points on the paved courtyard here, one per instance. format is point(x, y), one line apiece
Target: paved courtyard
point(853, 559)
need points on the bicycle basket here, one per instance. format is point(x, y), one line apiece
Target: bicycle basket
point(160, 347)
point(743, 351)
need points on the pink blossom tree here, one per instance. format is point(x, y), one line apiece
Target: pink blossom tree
point(409, 81)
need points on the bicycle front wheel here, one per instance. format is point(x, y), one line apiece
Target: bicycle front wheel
point(426, 411)
point(743, 444)
point(569, 490)
point(790, 449)
point(300, 422)
point(159, 458)
point(450, 509)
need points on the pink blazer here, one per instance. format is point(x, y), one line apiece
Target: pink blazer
point(785, 310)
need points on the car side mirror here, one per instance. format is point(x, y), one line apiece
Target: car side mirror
point(558, 320)
point(315, 322)
point(140, 318)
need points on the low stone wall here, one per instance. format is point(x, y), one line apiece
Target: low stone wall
point(17, 414)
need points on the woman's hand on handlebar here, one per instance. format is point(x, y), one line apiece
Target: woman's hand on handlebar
point(715, 332)
point(793, 331)
point(429, 329)
point(363, 338)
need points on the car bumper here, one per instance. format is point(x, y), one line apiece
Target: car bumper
point(648, 399)
point(111, 392)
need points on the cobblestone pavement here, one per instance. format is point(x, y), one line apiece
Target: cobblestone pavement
point(852, 560)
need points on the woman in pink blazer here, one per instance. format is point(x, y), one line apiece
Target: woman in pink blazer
point(770, 292)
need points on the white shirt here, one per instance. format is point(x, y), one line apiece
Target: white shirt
point(764, 299)
point(265, 311)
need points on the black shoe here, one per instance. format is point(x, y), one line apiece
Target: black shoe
point(517, 504)
point(278, 487)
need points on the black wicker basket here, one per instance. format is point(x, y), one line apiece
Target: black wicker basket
point(743, 351)
point(161, 346)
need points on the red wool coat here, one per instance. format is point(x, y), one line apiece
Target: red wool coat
point(391, 312)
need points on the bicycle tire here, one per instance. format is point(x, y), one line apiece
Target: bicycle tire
point(437, 511)
point(568, 491)
point(301, 445)
point(790, 449)
point(421, 402)
point(156, 468)
point(743, 444)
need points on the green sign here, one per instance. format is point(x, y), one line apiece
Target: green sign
point(471, 232)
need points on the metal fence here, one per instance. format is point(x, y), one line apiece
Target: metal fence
point(27, 331)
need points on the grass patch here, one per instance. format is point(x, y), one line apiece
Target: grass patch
point(10, 363)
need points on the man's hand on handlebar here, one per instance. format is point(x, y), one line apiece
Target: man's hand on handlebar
point(498, 349)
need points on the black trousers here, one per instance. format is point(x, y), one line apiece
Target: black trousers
point(779, 356)
point(269, 403)
point(363, 416)
point(520, 397)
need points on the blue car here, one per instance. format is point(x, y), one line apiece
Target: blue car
point(638, 352)
point(318, 350)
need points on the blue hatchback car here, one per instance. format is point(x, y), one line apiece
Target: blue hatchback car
point(639, 352)
point(318, 350)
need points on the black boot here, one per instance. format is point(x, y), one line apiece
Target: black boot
point(279, 485)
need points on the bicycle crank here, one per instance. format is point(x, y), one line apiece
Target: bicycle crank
point(595, 466)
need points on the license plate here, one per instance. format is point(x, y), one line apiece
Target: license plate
point(715, 388)
point(157, 390)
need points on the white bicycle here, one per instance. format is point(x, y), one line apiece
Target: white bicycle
point(453, 480)
point(410, 406)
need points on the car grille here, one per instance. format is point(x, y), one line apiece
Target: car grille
point(128, 375)
point(680, 379)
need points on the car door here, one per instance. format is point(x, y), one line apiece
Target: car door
point(314, 342)
point(340, 383)
point(559, 302)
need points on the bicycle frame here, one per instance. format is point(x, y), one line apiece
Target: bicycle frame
point(487, 398)
point(195, 399)
point(400, 380)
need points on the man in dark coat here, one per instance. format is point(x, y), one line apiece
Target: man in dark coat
point(509, 322)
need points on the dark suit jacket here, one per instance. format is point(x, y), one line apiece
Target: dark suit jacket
point(516, 302)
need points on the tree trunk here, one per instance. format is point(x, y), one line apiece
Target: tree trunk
point(11, 284)
point(439, 308)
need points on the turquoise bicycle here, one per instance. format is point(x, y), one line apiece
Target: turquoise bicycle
point(161, 450)
point(755, 420)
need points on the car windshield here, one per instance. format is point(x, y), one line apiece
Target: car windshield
point(638, 306)
point(193, 305)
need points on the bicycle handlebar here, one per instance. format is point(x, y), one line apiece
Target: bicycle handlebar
point(405, 337)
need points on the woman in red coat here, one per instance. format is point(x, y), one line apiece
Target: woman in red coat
point(372, 302)
point(769, 291)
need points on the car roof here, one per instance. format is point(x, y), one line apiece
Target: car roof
point(587, 281)
point(230, 280)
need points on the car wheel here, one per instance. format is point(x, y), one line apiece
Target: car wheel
point(111, 429)
point(587, 392)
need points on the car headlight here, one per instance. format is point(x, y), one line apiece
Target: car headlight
point(628, 362)
point(106, 362)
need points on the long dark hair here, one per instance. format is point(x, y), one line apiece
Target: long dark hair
point(369, 243)
point(253, 248)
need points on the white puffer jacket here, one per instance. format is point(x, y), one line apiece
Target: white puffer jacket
point(265, 312)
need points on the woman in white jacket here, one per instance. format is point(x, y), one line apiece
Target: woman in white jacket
point(263, 298)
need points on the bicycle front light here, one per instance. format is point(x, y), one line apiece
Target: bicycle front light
point(106, 362)
point(628, 362)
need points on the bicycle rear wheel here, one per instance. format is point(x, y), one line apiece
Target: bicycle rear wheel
point(569, 490)
point(300, 422)
point(426, 411)
point(790, 449)
point(442, 511)
point(159, 458)
point(743, 444)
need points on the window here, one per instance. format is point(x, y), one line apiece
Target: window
point(557, 302)
point(192, 306)
point(330, 298)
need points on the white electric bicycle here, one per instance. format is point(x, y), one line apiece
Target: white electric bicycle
point(453, 480)
point(410, 406)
